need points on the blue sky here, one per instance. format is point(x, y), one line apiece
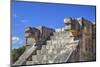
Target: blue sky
point(51, 15)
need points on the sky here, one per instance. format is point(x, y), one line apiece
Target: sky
point(36, 14)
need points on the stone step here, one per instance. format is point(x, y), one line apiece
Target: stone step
point(62, 57)
point(59, 41)
point(44, 46)
point(52, 49)
point(41, 59)
point(63, 32)
point(57, 50)
point(34, 58)
point(50, 56)
point(44, 51)
point(62, 35)
point(53, 55)
point(31, 62)
point(55, 46)
point(60, 45)
point(65, 39)
point(60, 38)
point(38, 52)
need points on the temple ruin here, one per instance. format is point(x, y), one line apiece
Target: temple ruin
point(75, 42)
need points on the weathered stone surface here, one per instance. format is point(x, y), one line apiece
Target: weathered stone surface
point(76, 43)
point(34, 35)
point(84, 51)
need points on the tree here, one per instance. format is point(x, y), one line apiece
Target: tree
point(16, 53)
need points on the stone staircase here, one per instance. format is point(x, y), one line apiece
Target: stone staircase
point(57, 49)
point(62, 46)
point(22, 59)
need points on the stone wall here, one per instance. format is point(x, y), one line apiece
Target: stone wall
point(72, 25)
point(94, 40)
point(86, 49)
point(81, 29)
point(45, 32)
point(34, 35)
point(75, 42)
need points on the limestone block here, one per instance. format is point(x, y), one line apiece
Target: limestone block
point(30, 41)
point(30, 63)
point(44, 59)
point(51, 57)
point(59, 38)
point(34, 58)
point(43, 46)
point(44, 51)
point(50, 47)
point(38, 52)
point(45, 32)
point(62, 56)
point(59, 33)
point(48, 42)
point(40, 58)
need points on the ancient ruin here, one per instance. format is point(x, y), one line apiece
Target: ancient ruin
point(75, 42)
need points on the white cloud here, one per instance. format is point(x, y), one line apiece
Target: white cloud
point(15, 39)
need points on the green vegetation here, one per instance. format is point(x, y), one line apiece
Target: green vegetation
point(16, 53)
